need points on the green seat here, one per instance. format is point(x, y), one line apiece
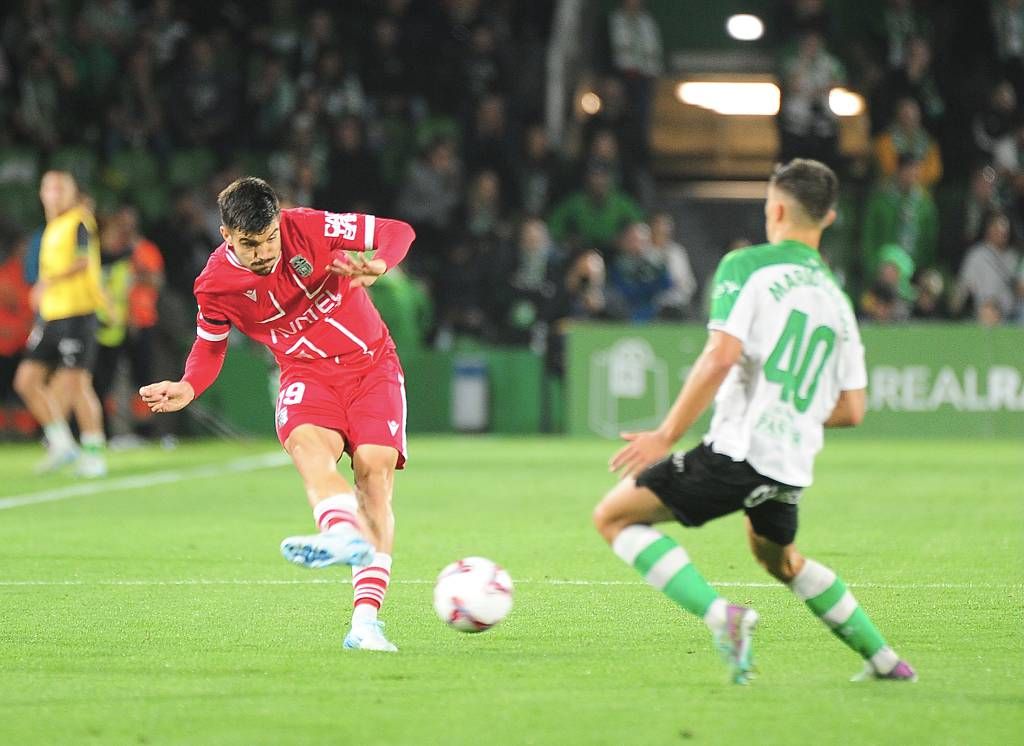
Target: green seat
point(81, 161)
point(19, 166)
point(131, 170)
point(20, 204)
point(191, 167)
point(153, 202)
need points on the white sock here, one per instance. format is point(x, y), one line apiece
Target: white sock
point(715, 617)
point(58, 436)
point(93, 442)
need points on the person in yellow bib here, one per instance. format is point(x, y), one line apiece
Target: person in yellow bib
point(61, 350)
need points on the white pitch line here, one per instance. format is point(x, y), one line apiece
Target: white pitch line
point(524, 581)
point(170, 476)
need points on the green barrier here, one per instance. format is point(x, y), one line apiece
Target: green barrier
point(243, 394)
point(924, 380)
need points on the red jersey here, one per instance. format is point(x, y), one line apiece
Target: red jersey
point(301, 311)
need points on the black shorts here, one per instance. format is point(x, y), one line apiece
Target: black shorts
point(701, 485)
point(64, 343)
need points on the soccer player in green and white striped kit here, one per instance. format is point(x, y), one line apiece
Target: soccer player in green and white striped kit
point(785, 359)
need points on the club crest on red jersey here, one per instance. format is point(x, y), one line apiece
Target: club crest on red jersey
point(301, 266)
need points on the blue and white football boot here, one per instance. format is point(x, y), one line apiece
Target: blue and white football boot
point(342, 545)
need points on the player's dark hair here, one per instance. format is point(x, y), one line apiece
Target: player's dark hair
point(248, 205)
point(811, 183)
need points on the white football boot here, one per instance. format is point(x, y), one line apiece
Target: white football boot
point(56, 459)
point(368, 636)
point(91, 466)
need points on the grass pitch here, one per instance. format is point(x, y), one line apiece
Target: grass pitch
point(156, 609)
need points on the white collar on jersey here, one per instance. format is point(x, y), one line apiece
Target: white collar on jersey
point(233, 260)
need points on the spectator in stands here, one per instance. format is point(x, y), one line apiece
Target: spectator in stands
point(1008, 151)
point(462, 290)
point(320, 36)
point(637, 60)
point(489, 143)
point(95, 61)
point(636, 276)
point(614, 115)
point(928, 304)
point(339, 88)
point(913, 79)
point(112, 21)
point(537, 173)
point(353, 182)
point(906, 137)
point(595, 216)
point(603, 153)
point(136, 118)
point(901, 211)
point(429, 196)
point(676, 301)
point(133, 275)
point(483, 69)
point(202, 102)
point(483, 214)
point(386, 66)
point(890, 295)
point(898, 24)
point(1008, 28)
point(273, 97)
point(166, 28)
point(982, 198)
point(40, 90)
point(989, 277)
point(15, 323)
point(807, 126)
point(586, 287)
point(996, 120)
point(525, 285)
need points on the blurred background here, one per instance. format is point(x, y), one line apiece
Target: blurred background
point(574, 170)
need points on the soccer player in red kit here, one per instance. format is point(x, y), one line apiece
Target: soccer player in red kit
point(285, 278)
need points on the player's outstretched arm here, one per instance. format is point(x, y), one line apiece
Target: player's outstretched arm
point(721, 352)
point(390, 239)
point(167, 396)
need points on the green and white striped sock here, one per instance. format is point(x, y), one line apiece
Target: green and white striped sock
point(93, 443)
point(665, 565)
point(827, 596)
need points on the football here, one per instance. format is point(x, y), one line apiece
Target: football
point(473, 594)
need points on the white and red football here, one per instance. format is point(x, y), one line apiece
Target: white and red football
point(473, 594)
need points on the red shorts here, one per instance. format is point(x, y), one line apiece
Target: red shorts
point(365, 407)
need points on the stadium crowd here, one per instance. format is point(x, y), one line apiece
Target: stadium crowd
point(432, 112)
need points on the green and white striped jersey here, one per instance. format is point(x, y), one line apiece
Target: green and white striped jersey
point(801, 348)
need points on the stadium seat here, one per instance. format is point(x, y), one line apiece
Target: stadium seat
point(131, 169)
point(20, 203)
point(193, 166)
point(80, 161)
point(152, 201)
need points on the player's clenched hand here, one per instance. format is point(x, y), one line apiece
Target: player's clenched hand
point(167, 396)
point(364, 272)
point(642, 450)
